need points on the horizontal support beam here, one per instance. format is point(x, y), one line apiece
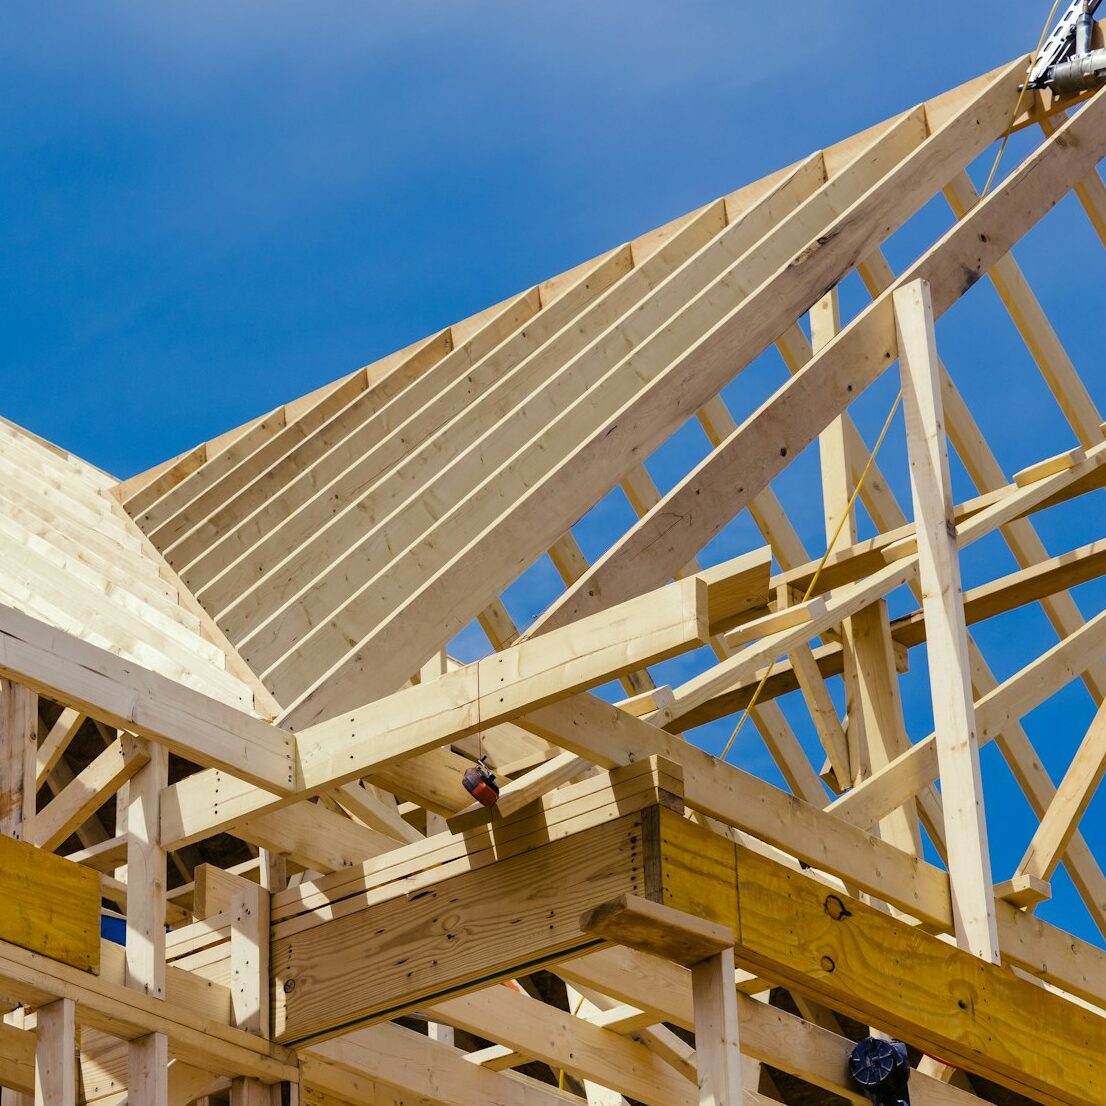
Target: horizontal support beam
point(127, 1013)
point(526, 680)
point(873, 967)
point(125, 695)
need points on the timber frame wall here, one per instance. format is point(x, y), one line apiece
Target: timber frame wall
point(229, 721)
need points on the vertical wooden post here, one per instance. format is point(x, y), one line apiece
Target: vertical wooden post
point(9, 1097)
point(946, 634)
point(18, 750)
point(249, 1092)
point(825, 323)
point(249, 961)
point(148, 1071)
point(18, 754)
point(249, 958)
point(717, 1038)
point(56, 1054)
point(435, 824)
point(148, 1057)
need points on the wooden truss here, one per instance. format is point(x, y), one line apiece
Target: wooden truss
point(231, 726)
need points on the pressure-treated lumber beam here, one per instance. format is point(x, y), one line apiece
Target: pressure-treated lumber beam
point(793, 929)
point(946, 631)
point(723, 484)
point(132, 698)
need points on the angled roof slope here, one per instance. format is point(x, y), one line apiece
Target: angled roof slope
point(73, 559)
point(715, 393)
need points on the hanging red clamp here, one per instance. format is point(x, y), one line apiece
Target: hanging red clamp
point(480, 784)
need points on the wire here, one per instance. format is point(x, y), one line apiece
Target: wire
point(1021, 99)
point(821, 565)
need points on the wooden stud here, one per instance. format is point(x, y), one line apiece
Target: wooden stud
point(56, 1054)
point(946, 633)
point(18, 749)
point(717, 1035)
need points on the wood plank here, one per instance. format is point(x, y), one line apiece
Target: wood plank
point(54, 744)
point(327, 979)
point(946, 632)
point(129, 697)
point(49, 905)
point(726, 481)
point(717, 1033)
point(1010, 700)
point(1073, 796)
point(583, 427)
point(92, 787)
point(18, 747)
point(124, 1012)
point(56, 1055)
point(387, 1064)
point(861, 961)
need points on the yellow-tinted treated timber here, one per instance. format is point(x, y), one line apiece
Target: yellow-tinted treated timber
point(875, 968)
point(49, 905)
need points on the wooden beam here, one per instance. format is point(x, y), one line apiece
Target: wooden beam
point(946, 631)
point(90, 789)
point(387, 1064)
point(1072, 798)
point(950, 1003)
point(129, 697)
point(725, 482)
point(768, 1034)
point(717, 1033)
point(462, 702)
point(568, 1042)
point(54, 744)
point(148, 1071)
point(18, 746)
point(148, 1056)
point(56, 1055)
point(124, 1012)
point(673, 361)
point(1009, 701)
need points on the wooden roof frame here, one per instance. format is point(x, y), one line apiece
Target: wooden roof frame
point(273, 611)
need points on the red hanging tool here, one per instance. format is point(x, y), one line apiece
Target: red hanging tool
point(480, 783)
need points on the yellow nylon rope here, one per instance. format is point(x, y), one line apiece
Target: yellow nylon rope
point(1021, 99)
point(821, 565)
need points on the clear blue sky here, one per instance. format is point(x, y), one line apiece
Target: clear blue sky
point(212, 208)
